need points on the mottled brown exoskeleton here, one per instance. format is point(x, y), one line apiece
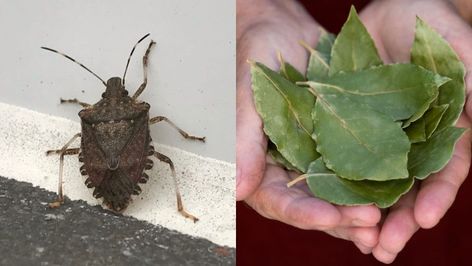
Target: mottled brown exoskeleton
point(115, 146)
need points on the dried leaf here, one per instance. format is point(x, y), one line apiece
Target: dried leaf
point(353, 49)
point(433, 118)
point(416, 131)
point(289, 72)
point(428, 123)
point(326, 185)
point(432, 52)
point(279, 158)
point(431, 156)
point(325, 44)
point(318, 64)
point(286, 112)
point(318, 67)
point(357, 142)
point(397, 90)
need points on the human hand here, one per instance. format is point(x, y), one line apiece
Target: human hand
point(263, 28)
point(392, 24)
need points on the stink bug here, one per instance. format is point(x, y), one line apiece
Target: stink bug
point(115, 146)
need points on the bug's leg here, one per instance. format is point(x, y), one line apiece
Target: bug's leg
point(158, 119)
point(180, 206)
point(75, 101)
point(145, 66)
point(62, 152)
point(72, 151)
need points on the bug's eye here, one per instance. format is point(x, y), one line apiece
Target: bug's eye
point(125, 93)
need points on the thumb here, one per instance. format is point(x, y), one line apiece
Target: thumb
point(438, 192)
point(251, 141)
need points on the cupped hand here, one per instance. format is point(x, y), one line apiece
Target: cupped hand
point(392, 24)
point(264, 28)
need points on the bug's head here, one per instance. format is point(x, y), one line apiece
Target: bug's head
point(115, 89)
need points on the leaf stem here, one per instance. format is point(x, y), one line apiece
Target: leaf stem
point(306, 46)
point(314, 53)
point(281, 61)
point(251, 62)
point(296, 180)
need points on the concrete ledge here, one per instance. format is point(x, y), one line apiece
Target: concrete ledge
point(207, 185)
point(80, 234)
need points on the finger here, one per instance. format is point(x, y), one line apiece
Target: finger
point(292, 206)
point(365, 238)
point(460, 37)
point(251, 142)
point(308, 213)
point(368, 215)
point(297, 207)
point(364, 215)
point(251, 146)
point(398, 228)
point(383, 255)
point(370, 20)
point(439, 190)
point(364, 249)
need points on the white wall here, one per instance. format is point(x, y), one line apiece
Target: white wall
point(192, 68)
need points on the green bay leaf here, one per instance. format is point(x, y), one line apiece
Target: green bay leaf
point(431, 156)
point(420, 111)
point(427, 124)
point(397, 90)
point(433, 118)
point(318, 67)
point(286, 112)
point(416, 131)
point(279, 158)
point(357, 142)
point(289, 72)
point(318, 63)
point(326, 185)
point(353, 49)
point(432, 52)
point(325, 45)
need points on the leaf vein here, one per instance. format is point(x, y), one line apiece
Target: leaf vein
point(374, 93)
point(430, 54)
point(290, 106)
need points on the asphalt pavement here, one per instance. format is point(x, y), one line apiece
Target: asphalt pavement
point(79, 234)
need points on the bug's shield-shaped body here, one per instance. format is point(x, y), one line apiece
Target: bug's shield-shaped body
point(115, 142)
point(115, 145)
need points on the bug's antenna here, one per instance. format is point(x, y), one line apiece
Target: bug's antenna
point(75, 61)
point(129, 58)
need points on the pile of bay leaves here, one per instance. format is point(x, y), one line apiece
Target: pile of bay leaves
point(360, 131)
